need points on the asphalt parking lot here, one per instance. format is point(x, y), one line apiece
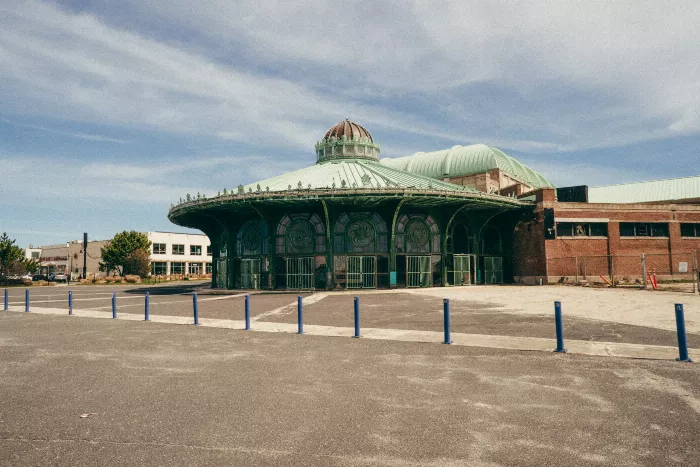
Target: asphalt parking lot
point(396, 310)
point(177, 395)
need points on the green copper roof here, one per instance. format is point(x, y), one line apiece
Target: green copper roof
point(674, 189)
point(466, 160)
point(350, 173)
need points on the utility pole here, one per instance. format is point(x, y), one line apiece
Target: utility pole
point(85, 243)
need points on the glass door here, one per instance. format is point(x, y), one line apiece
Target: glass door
point(362, 272)
point(300, 273)
point(418, 271)
point(250, 273)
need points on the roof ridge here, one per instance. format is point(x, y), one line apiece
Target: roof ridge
point(429, 180)
point(647, 181)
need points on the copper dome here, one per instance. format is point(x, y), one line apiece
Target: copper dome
point(348, 129)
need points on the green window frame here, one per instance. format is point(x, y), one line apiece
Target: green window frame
point(644, 229)
point(690, 229)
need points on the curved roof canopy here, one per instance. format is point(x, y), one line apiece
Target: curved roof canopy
point(466, 160)
point(350, 173)
point(347, 170)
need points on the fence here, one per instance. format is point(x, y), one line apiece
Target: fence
point(676, 271)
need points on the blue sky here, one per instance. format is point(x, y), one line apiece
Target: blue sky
point(110, 111)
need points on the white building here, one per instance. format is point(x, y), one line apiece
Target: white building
point(178, 253)
point(171, 254)
point(32, 253)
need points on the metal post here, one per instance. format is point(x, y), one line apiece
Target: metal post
point(26, 300)
point(114, 305)
point(644, 270)
point(147, 313)
point(195, 309)
point(560, 327)
point(247, 312)
point(696, 275)
point(446, 316)
point(300, 315)
point(680, 328)
point(612, 270)
point(6, 303)
point(70, 302)
point(85, 246)
point(357, 317)
point(576, 259)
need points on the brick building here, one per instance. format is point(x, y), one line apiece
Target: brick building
point(643, 229)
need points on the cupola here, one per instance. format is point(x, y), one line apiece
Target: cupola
point(347, 140)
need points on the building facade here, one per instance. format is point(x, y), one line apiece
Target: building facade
point(172, 254)
point(175, 254)
point(460, 216)
point(635, 235)
point(354, 221)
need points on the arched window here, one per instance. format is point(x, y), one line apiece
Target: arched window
point(460, 240)
point(362, 232)
point(252, 239)
point(299, 234)
point(491, 241)
point(417, 233)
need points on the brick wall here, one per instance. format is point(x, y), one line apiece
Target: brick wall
point(621, 256)
point(529, 258)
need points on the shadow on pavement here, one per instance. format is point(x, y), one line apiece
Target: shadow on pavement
point(169, 289)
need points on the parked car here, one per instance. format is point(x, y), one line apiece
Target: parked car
point(57, 277)
point(28, 276)
point(39, 277)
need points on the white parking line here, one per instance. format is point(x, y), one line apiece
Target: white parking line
point(152, 303)
point(65, 299)
point(317, 297)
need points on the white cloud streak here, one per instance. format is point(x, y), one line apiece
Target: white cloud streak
point(634, 64)
point(83, 136)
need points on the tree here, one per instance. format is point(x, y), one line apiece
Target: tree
point(137, 262)
point(11, 256)
point(125, 253)
point(31, 265)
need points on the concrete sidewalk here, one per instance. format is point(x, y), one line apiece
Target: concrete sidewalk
point(610, 349)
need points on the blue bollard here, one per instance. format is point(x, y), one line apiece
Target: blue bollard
point(195, 309)
point(147, 316)
point(559, 328)
point(247, 312)
point(300, 315)
point(6, 305)
point(114, 305)
point(446, 316)
point(70, 302)
point(26, 301)
point(357, 317)
point(680, 328)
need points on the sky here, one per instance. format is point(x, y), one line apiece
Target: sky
point(110, 111)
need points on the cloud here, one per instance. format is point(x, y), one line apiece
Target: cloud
point(606, 73)
point(73, 65)
point(84, 136)
point(539, 77)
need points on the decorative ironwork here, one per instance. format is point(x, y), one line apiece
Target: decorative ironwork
point(417, 233)
point(300, 236)
point(360, 234)
point(251, 237)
